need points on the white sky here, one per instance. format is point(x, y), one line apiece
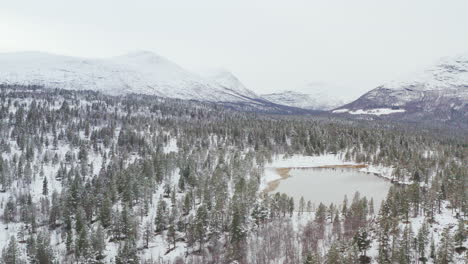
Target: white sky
point(349, 46)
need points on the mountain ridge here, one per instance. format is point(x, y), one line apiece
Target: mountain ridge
point(318, 101)
point(438, 93)
point(141, 72)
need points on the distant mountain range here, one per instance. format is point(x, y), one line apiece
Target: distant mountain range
point(140, 72)
point(317, 101)
point(438, 93)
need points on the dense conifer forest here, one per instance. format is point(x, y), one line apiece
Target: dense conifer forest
point(92, 178)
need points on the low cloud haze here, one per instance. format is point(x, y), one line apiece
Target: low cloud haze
point(270, 45)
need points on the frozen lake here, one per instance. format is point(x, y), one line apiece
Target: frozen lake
point(330, 185)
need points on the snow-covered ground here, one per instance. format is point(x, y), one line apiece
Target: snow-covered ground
point(375, 111)
point(171, 146)
point(298, 161)
point(443, 220)
point(301, 161)
point(338, 111)
point(381, 171)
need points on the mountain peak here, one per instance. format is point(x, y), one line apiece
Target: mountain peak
point(229, 81)
point(143, 56)
point(140, 72)
point(140, 53)
point(446, 73)
point(439, 92)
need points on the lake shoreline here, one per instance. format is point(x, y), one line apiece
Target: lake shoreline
point(284, 173)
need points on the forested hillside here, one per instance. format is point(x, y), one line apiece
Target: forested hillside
point(93, 178)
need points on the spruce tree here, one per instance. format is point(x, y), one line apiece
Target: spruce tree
point(460, 233)
point(423, 240)
point(161, 216)
point(362, 241)
point(98, 242)
point(127, 253)
point(105, 212)
point(445, 251)
point(45, 189)
point(11, 253)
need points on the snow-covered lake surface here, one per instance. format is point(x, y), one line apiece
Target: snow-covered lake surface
point(330, 185)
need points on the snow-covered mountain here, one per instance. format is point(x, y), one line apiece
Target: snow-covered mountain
point(317, 101)
point(439, 93)
point(230, 82)
point(139, 72)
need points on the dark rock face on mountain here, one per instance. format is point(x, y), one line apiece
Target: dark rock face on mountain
point(439, 93)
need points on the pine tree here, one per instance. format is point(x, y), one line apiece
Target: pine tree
point(320, 218)
point(460, 234)
point(128, 226)
point(55, 209)
point(171, 236)
point(105, 212)
point(301, 206)
point(423, 240)
point(80, 220)
point(362, 241)
point(291, 206)
point(127, 253)
point(82, 243)
point(371, 206)
point(43, 249)
point(187, 204)
point(344, 209)
point(98, 243)
point(402, 246)
point(311, 259)
point(9, 211)
point(161, 219)
point(446, 248)
point(432, 250)
point(383, 249)
point(147, 233)
point(333, 255)
point(11, 253)
point(69, 241)
point(45, 190)
point(336, 228)
point(201, 224)
point(320, 215)
point(309, 206)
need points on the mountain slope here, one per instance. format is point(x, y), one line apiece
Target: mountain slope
point(138, 72)
point(439, 93)
point(302, 100)
point(230, 83)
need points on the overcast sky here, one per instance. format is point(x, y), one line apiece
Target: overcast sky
point(348, 46)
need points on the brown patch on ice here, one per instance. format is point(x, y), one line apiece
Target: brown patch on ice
point(284, 173)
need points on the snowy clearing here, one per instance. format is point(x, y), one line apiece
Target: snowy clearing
point(377, 111)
